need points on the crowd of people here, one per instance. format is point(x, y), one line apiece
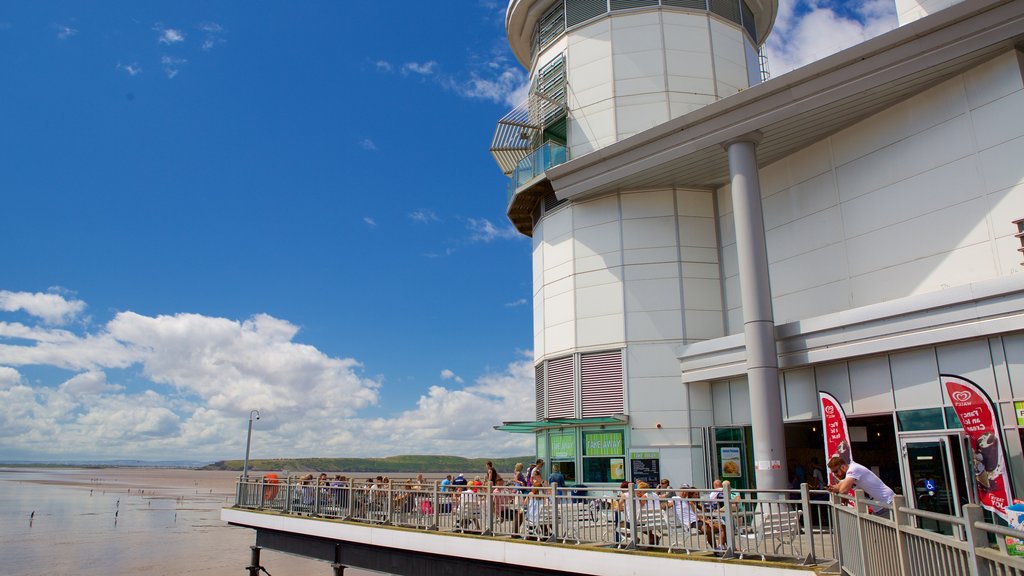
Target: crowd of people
point(522, 496)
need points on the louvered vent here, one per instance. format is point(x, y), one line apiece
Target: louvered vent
point(601, 384)
point(551, 25)
point(627, 4)
point(579, 11)
point(695, 4)
point(730, 9)
point(551, 202)
point(539, 385)
point(561, 397)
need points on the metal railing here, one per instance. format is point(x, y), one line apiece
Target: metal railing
point(872, 545)
point(798, 526)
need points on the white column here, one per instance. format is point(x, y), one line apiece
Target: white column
point(771, 471)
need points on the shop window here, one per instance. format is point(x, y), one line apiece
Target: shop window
point(952, 420)
point(926, 419)
point(604, 457)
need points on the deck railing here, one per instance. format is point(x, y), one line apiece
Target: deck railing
point(799, 526)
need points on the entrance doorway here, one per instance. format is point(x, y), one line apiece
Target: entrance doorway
point(872, 441)
point(936, 480)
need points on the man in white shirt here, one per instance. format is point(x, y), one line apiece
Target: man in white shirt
point(852, 476)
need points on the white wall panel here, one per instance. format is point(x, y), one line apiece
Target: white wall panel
point(805, 235)
point(903, 201)
point(722, 400)
point(800, 200)
point(590, 83)
point(703, 325)
point(971, 360)
point(800, 394)
point(657, 395)
point(651, 295)
point(699, 232)
point(910, 117)
point(559, 308)
point(596, 263)
point(697, 203)
point(691, 254)
point(600, 300)
point(702, 294)
point(650, 255)
point(810, 302)
point(649, 232)
point(599, 277)
point(653, 271)
point(871, 384)
point(1001, 166)
point(815, 268)
point(915, 379)
point(1013, 347)
point(647, 204)
point(961, 225)
point(559, 338)
point(688, 32)
point(739, 392)
point(835, 379)
point(994, 79)
point(923, 151)
point(600, 331)
point(597, 211)
point(591, 128)
point(638, 113)
point(923, 275)
point(597, 239)
point(999, 121)
point(652, 360)
point(658, 325)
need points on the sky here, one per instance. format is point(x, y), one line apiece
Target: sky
point(209, 208)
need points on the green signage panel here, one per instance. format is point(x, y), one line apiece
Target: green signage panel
point(602, 443)
point(563, 446)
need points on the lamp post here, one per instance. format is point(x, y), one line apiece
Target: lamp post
point(248, 438)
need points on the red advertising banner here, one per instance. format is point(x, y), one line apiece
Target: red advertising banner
point(833, 426)
point(978, 417)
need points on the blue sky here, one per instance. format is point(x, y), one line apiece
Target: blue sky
point(211, 207)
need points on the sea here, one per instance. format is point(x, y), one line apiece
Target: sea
point(59, 522)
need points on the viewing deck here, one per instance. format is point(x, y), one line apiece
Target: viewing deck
point(401, 530)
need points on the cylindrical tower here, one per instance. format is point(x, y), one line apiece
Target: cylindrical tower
point(621, 279)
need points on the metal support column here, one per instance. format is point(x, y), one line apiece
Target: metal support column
point(339, 569)
point(254, 561)
point(758, 319)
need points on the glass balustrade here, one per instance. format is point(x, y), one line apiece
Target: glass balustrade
point(545, 157)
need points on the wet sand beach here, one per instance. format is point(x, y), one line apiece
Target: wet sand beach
point(126, 521)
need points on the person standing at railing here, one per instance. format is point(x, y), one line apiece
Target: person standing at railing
point(556, 479)
point(853, 476)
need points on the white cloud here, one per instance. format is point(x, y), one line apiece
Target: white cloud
point(172, 65)
point(383, 65)
point(447, 374)
point(51, 307)
point(64, 32)
point(517, 303)
point(370, 222)
point(367, 144)
point(808, 30)
point(424, 216)
point(170, 35)
point(211, 34)
point(462, 421)
point(483, 230)
point(508, 86)
point(131, 69)
point(421, 68)
point(181, 386)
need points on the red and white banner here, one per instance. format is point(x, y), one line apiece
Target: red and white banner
point(978, 417)
point(833, 425)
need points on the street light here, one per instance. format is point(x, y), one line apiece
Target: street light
point(248, 438)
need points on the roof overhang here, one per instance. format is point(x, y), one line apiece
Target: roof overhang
point(801, 107)
point(537, 426)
